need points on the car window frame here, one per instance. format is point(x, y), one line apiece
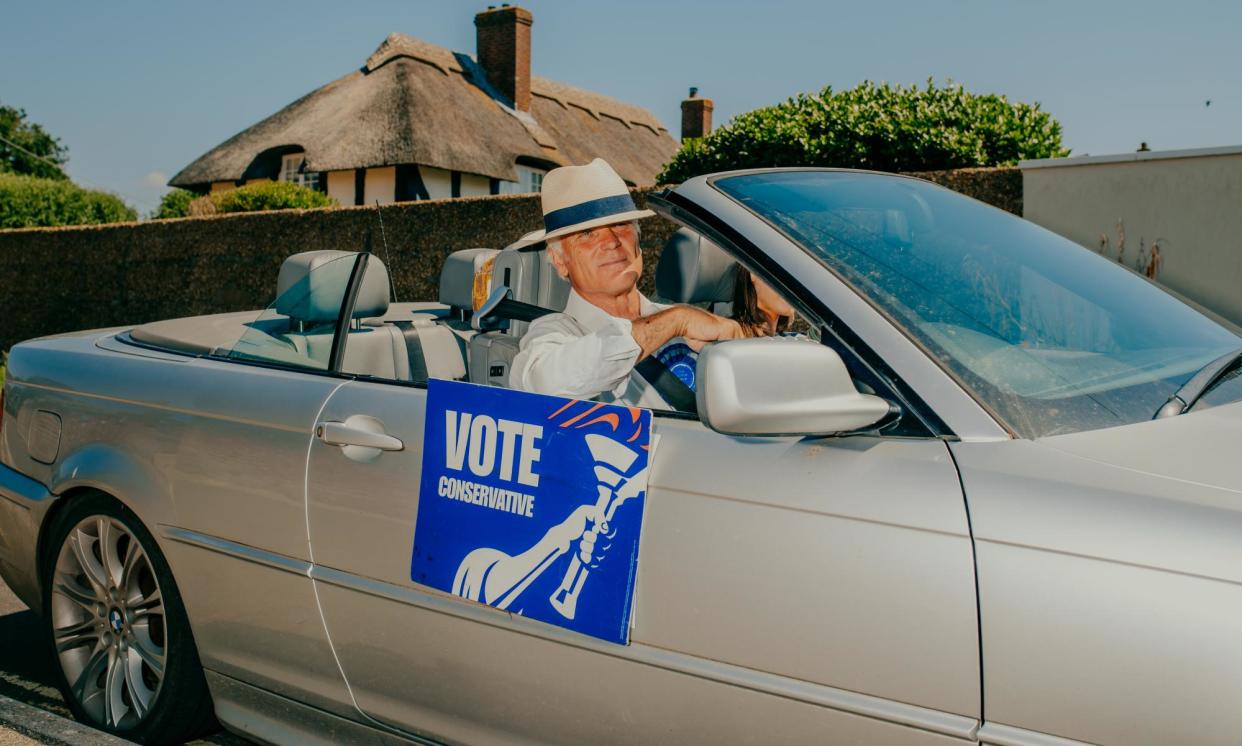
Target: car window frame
point(336, 358)
point(859, 357)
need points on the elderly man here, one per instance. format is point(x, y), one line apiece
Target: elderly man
point(591, 350)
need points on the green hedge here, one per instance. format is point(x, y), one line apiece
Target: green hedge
point(174, 204)
point(270, 195)
point(881, 127)
point(27, 201)
point(267, 195)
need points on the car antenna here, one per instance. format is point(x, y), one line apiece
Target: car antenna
point(384, 240)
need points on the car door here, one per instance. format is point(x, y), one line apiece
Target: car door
point(236, 474)
point(789, 590)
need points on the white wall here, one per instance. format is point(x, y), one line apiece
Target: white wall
point(473, 185)
point(341, 186)
point(1188, 202)
point(439, 183)
point(381, 185)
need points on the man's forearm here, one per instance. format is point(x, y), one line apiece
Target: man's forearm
point(697, 326)
point(651, 332)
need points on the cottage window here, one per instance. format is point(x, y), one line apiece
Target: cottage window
point(292, 169)
point(530, 179)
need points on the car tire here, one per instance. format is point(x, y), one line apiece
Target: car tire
point(125, 659)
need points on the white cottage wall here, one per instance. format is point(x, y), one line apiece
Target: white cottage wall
point(341, 186)
point(381, 185)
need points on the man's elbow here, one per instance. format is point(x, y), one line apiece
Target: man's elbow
point(539, 377)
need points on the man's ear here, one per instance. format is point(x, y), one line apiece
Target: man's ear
point(557, 257)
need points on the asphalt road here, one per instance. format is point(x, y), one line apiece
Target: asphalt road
point(26, 668)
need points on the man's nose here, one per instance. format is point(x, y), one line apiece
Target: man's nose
point(608, 242)
point(614, 239)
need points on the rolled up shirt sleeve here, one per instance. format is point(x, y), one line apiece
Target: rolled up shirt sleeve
point(555, 359)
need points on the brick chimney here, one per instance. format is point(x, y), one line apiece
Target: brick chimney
point(502, 38)
point(696, 115)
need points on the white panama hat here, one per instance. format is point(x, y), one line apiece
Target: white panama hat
point(576, 198)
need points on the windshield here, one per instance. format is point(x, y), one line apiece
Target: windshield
point(1052, 337)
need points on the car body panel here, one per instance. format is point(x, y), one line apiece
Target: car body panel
point(156, 433)
point(863, 588)
point(861, 581)
point(1109, 593)
point(24, 503)
point(259, 715)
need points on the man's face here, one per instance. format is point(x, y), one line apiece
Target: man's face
point(601, 260)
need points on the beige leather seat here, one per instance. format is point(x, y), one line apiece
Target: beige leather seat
point(445, 341)
point(311, 296)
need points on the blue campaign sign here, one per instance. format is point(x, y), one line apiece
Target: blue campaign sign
point(533, 504)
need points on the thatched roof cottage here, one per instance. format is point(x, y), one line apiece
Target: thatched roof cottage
point(419, 121)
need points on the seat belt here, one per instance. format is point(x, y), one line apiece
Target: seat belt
point(655, 373)
point(414, 349)
point(667, 385)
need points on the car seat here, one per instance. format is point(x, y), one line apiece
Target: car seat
point(457, 292)
point(312, 298)
point(694, 270)
point(532, 279)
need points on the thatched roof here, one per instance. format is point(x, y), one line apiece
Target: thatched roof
point(414, 102)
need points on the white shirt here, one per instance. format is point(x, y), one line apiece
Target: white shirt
point(585, 353)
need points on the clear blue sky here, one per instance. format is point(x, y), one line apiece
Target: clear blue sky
point(137, 90)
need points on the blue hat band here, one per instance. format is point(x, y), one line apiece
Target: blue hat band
point(590, 210)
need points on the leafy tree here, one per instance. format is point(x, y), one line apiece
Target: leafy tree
point(27, 201)
point(29, 147)
point(174, 204)
point(881, 127)
point(270, 195)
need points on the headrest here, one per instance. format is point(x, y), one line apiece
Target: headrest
point(532, 278)
point(457, 276)
point(694, 270)
point(311, 286)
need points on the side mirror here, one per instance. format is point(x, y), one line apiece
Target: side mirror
point(773, 386)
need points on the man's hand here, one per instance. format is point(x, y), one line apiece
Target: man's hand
point(703, 327)
point(696, 326)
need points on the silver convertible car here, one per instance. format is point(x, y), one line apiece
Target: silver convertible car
point(995, 498)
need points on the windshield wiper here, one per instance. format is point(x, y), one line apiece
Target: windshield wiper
point(1198, 385)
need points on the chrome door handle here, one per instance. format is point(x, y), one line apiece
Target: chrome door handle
point(354, 432)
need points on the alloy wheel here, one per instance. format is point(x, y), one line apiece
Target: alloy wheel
point(108, 622)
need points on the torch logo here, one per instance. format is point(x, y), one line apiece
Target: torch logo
point(496, 578)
